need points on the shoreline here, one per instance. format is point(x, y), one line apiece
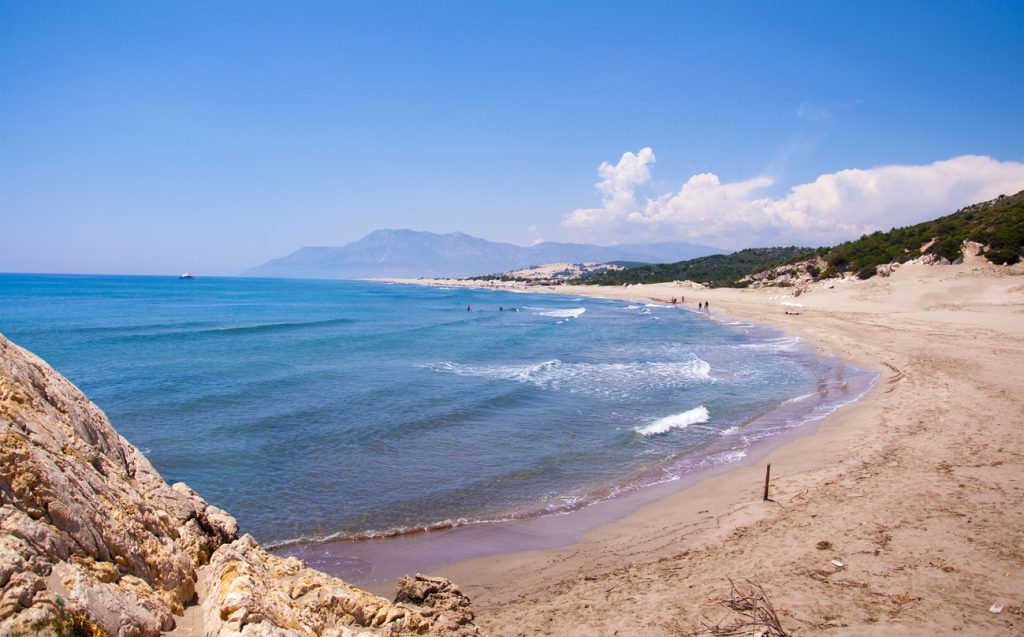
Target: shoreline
point(377, 561)
point(883, 484)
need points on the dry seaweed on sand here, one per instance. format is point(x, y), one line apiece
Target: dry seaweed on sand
point(752, 613)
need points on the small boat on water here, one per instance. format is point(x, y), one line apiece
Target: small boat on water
point(186, 276)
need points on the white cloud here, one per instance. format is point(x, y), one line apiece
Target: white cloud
point(833, 208)
point(617, 187)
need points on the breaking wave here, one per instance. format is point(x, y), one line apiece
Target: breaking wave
point(675, 421)
point(574, 312)
point(597, 378)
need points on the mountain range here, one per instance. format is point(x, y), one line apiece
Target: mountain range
point(409, 253)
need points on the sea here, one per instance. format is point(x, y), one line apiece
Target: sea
point(319, 411)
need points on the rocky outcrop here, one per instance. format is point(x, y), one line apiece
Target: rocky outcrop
point(800, 274)
point(89, 528)
point(445, 603)
point(247, 591)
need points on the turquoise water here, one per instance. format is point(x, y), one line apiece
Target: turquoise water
point(318, 409)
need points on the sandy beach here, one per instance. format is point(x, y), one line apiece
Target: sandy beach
point(915, 490)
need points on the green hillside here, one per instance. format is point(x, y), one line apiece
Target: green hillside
point(998, 224)
point(717, 270)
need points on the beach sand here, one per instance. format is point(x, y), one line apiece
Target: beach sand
point(917, 489)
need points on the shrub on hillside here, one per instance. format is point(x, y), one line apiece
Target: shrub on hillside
point(948, 248)
point(1005, 245)
point(867, 272)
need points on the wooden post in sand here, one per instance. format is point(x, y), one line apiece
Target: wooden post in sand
point(767, 477)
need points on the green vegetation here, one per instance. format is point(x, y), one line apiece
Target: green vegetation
point(629, 264)
point(718, 270)
point(498, 277)
point(998, 224)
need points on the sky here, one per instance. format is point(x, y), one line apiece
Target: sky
point(161, 137)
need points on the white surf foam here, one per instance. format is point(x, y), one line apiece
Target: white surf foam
point(731, 456)
point(570, 312)
point(591, 378)
point(772, 344)
point(675, 421)
point(739, 323)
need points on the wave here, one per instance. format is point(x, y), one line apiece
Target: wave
point(692, 461)
point(819, 410)
point(675, 421)
point(799, 399)
point(726, 457)
point(562, 505)
point(270, 327)
point(242, 329)
point(137, 327)
point(370, 534)
point(773, 344)
point(575, 312)
point(738, 323)
point(594, 378)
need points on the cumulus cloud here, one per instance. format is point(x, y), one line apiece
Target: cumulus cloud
point(617, 187)
point(834, 207)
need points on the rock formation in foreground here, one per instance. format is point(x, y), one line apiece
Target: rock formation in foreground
point(90, 532)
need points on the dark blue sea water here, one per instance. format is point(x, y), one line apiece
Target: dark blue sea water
point(316, 409)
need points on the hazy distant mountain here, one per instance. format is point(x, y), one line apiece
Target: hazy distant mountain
point(407, 253)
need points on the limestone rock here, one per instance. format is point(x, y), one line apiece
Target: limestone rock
point(449, 607)
point(76, 493)
point(799, 275)
point(973, 248)
point(247, 591)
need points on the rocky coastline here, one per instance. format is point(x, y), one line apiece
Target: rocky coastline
point(93, 539)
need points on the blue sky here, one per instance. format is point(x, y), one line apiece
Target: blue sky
point(159, 137)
